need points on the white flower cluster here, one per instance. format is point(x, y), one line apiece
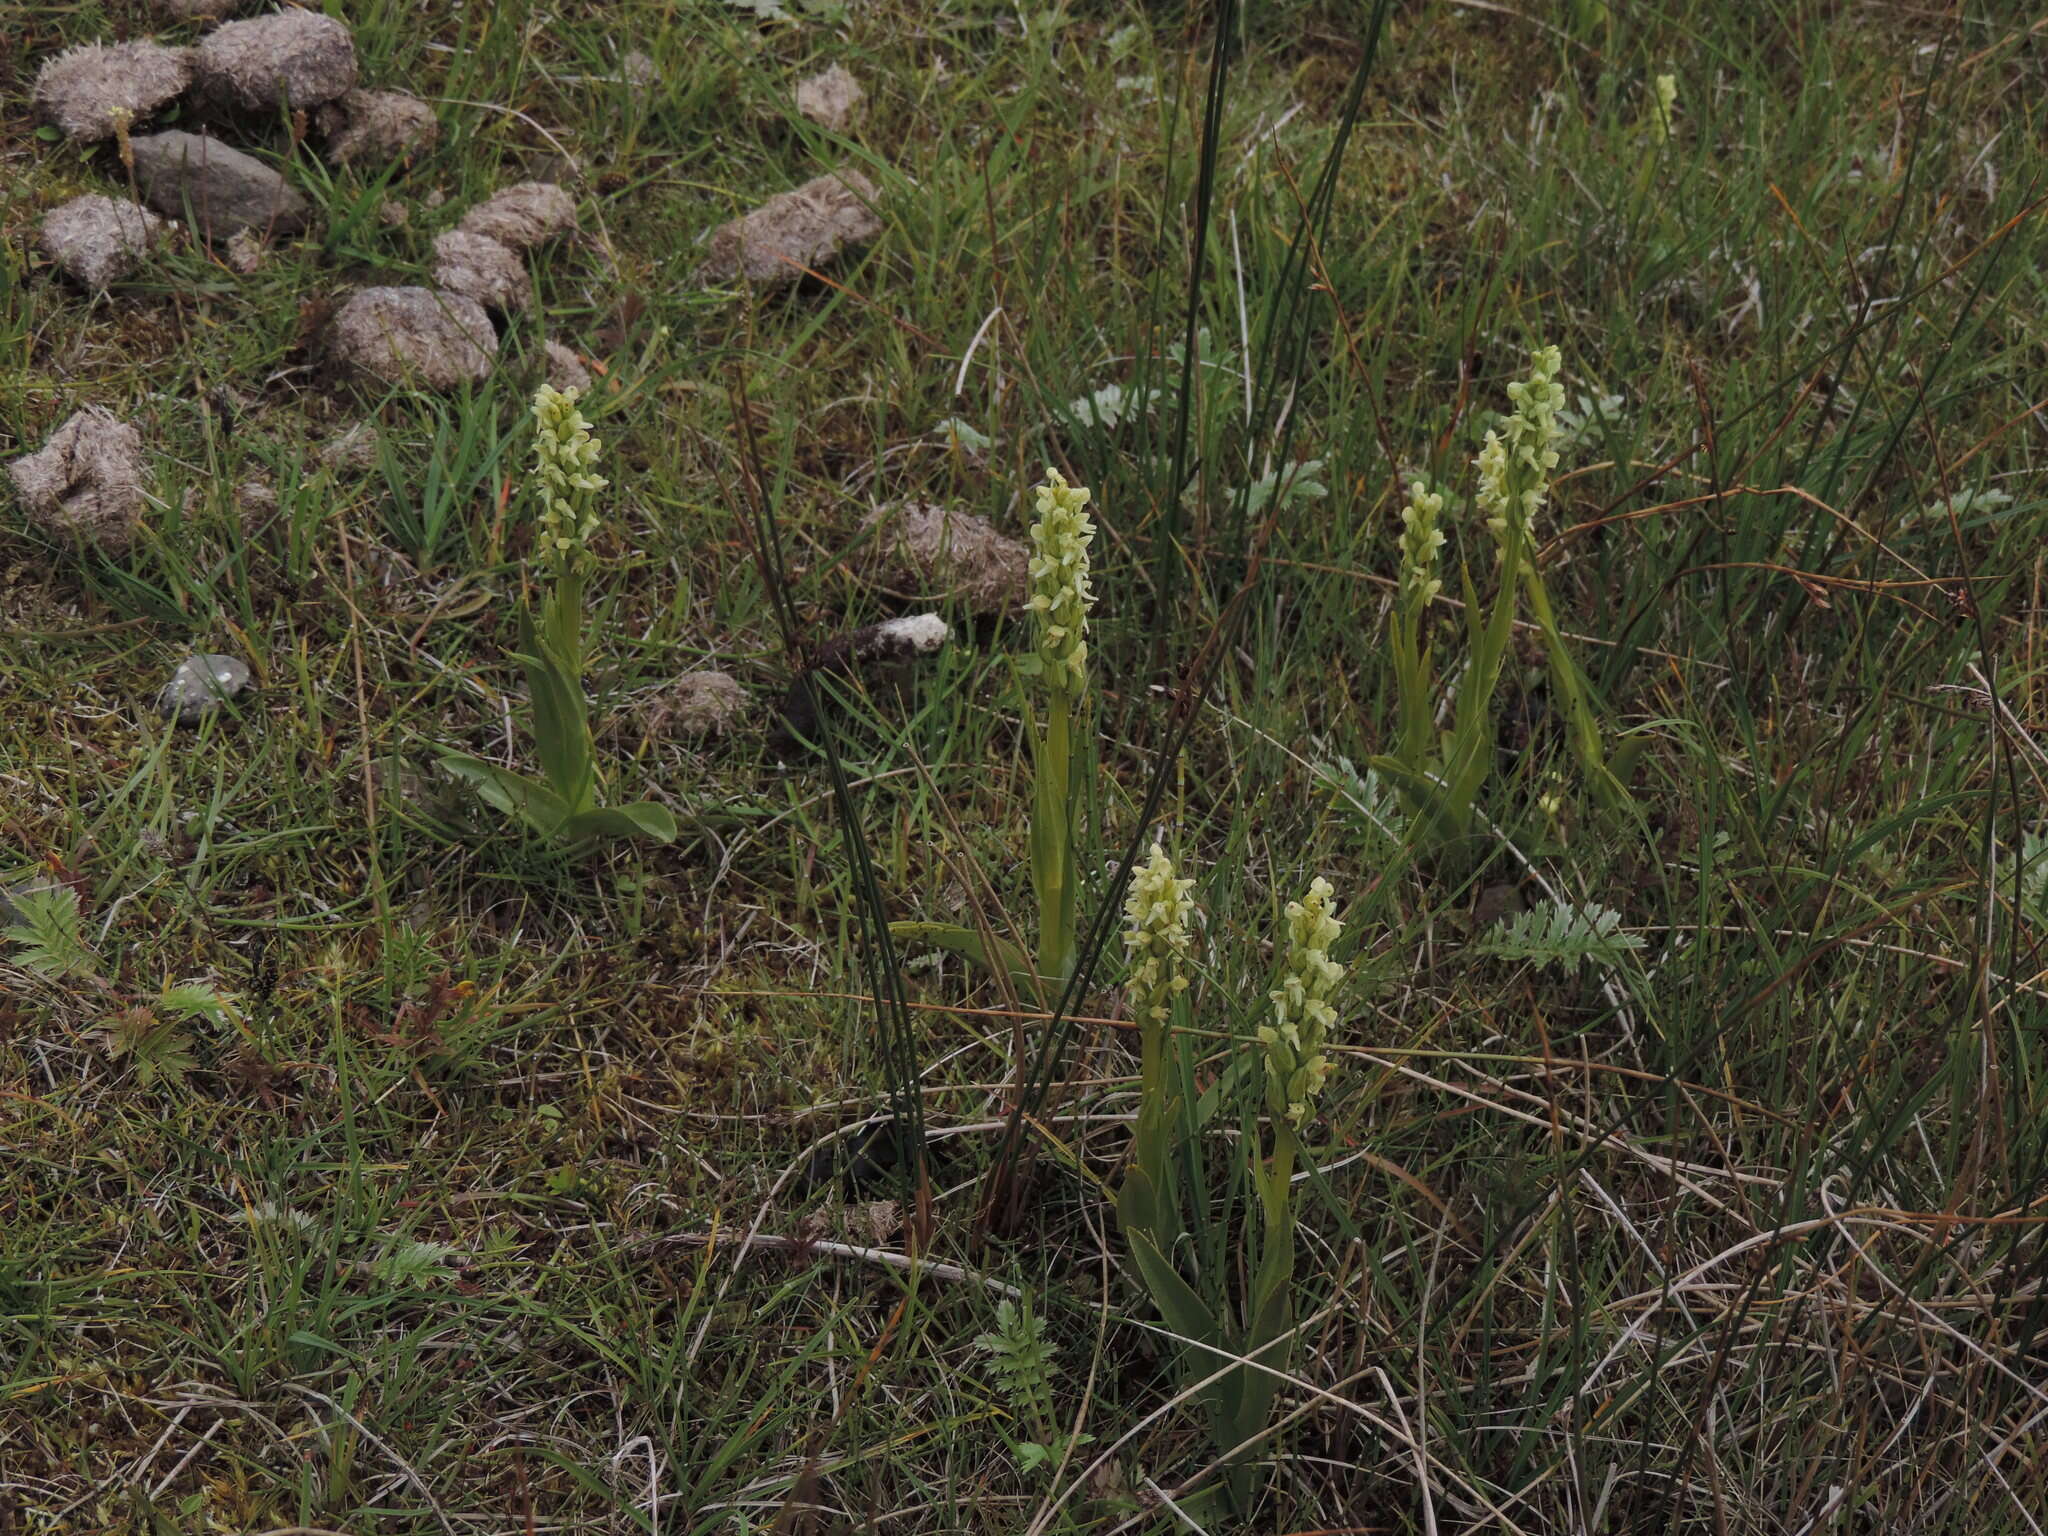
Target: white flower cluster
point(1060, 594)
point(1515, 463)
point(564, 454)
point(1667, 98)
point(1302, 1014)
point(1160, 913)
point(1421, 540)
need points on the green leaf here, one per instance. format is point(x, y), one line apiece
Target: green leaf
point(513, 793)
point(967, 943)
point(197, 1000)
point(642, 819)
point(1564, 934)
point(49, 931)
point(561, 723)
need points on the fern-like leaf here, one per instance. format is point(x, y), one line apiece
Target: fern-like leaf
point(49, 932)
point(1563, 934)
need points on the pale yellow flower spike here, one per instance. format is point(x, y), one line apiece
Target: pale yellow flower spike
point(565, 458)
point(1060, 594)
point(1159, 913)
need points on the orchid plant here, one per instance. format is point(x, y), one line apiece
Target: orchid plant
point(564, 804)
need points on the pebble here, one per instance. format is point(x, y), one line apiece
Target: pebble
point(807, 228)
point(949, 553)
point(294, 60)
point(200, 685)
point(85, 483)
point(98, 240)
point(703, 703)
point(440, 341)
point(87, 92)
point(832, 99)
point(565, 369)
point(478, 267)
point(524, 215)
point(377, 127)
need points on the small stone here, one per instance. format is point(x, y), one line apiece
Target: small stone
point(244, 251)
point(393, 214)
point(953, 554)
point(197, 10)
point(256, 503)
point(565, 369)
point(199, 687)
point(439, 341)
point(293, 60)
point(377, 127)
point(86, 482)
point(436, 197)
point(478, 267)
point(351, 452)
point(87, 92)
point(833, 99)
point(98, 240)
point(225, 190)
point(639, 71)
point(523, 215)
point(772, 246)
point(701, 704)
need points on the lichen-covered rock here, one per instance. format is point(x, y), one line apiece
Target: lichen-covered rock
point(704, 703)
point(439, 341)
point(775, 244)
point(200, 685)
point(98, 240)
point(224, 190)
point(375, 127)
point(478, 267)
point(832, 99)
point(565, 369)
point(524, 215)
point(85, 92)
point(933, 551)
point(294, 60)
point(85, 483)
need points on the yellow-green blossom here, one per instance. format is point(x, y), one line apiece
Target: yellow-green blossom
point(1421, 539)
point(1666, 99)
point(1302, 1014)
point(1060, 594)
point(565, 456)
point(1159, 912)
point(1515, 463)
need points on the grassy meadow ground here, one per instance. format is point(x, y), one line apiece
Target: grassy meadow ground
point(1738, 1233)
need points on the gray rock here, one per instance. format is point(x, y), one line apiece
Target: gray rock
point(98, 240)
point(704, 703)
point(479, 268)
point(224, 190)
point(808, 228)
point(932, 551)
point(416, 336)
point(565, 369)
point(376, 127)
point(292, 60)
point(85, 483)
point(832, 99)
point(87, 91)
point(199, 687)
point(524, 215)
